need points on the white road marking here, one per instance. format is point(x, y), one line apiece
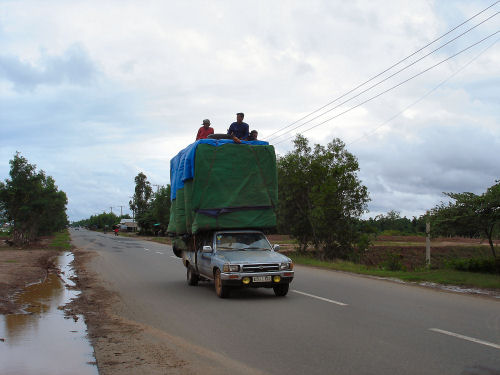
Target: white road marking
point(482, 342)
point(146, 249)
point(159, 253)
point(175, 257)
point(320, 298)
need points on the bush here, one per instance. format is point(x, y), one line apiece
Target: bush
point(392, 262)
point(391, 232)
point(483, 265)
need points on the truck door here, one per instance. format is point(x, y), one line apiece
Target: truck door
point(204, 260)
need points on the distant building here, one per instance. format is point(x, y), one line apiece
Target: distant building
point(128, 225)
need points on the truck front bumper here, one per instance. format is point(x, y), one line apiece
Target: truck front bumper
point(255, 280)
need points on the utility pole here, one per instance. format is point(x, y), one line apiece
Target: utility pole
point(121, 211)
point(157, 187)
point(428, 243)
point(133, 212)
point(111, 209)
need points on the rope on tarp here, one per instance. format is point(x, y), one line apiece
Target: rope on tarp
point(215, 212)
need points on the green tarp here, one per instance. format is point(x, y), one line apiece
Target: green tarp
point(234, 186)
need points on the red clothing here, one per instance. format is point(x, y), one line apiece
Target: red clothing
point(204, 133)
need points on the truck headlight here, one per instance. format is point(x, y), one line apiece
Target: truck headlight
point(286, 266)
point(231, 268)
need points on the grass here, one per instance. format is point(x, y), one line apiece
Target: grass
point(422, 244)
point(4, 234)
point(397, 243)
point(61, 241)
point(439, 276)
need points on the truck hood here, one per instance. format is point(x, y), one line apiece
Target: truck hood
point(252, 256)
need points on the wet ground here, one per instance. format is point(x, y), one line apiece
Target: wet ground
point(42, 340)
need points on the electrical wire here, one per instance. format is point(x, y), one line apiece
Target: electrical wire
point(386, 70)
point(424, 96)
point(385, 79)
point(395, 86)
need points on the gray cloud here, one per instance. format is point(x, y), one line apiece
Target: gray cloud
point(411, 176)
point(74, 67)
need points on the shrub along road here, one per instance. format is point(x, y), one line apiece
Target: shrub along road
point(330, 322)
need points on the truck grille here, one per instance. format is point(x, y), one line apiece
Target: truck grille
point(260, 267)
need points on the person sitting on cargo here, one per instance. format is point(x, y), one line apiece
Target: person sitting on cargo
point(239, 129)
point(253, 135)
point(205, 130)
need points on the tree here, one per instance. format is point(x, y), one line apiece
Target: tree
point(157, 215)
point(104, 220)
point(141, 201)
point(101, 221)
point(469, 214)
point(32, 201)
point(320, 196)
point(294, 191)
point(160, 207)
point(55, 203)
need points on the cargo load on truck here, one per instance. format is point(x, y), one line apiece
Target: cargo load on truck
point(218, 184)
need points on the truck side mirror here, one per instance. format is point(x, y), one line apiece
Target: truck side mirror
point(207, 249)
point(276, 247)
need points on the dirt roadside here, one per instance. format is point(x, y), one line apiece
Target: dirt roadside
point(122, 346)
point(20, 268)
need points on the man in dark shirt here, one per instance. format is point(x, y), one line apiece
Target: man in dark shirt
point(239, 129)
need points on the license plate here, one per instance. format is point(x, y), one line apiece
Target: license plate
point(261, 279)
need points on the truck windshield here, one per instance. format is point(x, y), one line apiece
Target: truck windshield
point(241, 241)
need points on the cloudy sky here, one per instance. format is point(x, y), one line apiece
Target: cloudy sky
point(94, 92)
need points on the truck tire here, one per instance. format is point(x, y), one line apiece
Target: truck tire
point(281, 290)
point(177, 252)
point(221, 290)
point(192, 276)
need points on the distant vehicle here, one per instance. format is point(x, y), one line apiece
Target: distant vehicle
point(223, 195)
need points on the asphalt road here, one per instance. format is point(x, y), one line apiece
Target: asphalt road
point(330, 322)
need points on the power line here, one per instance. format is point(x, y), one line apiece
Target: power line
point(387, 78)
point(395, 86)
point(424, 96)
point(386, 70)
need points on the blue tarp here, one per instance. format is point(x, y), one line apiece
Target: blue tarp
point(182, 165)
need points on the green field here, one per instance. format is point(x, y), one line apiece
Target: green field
point(439, 276)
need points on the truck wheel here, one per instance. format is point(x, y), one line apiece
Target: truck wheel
point(221, 290)
point(177, 252)
point(192, 276)
point(281, 290)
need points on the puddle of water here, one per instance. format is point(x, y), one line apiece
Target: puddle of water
point(43, 341)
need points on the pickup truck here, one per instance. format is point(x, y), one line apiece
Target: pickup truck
point(237, 259)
